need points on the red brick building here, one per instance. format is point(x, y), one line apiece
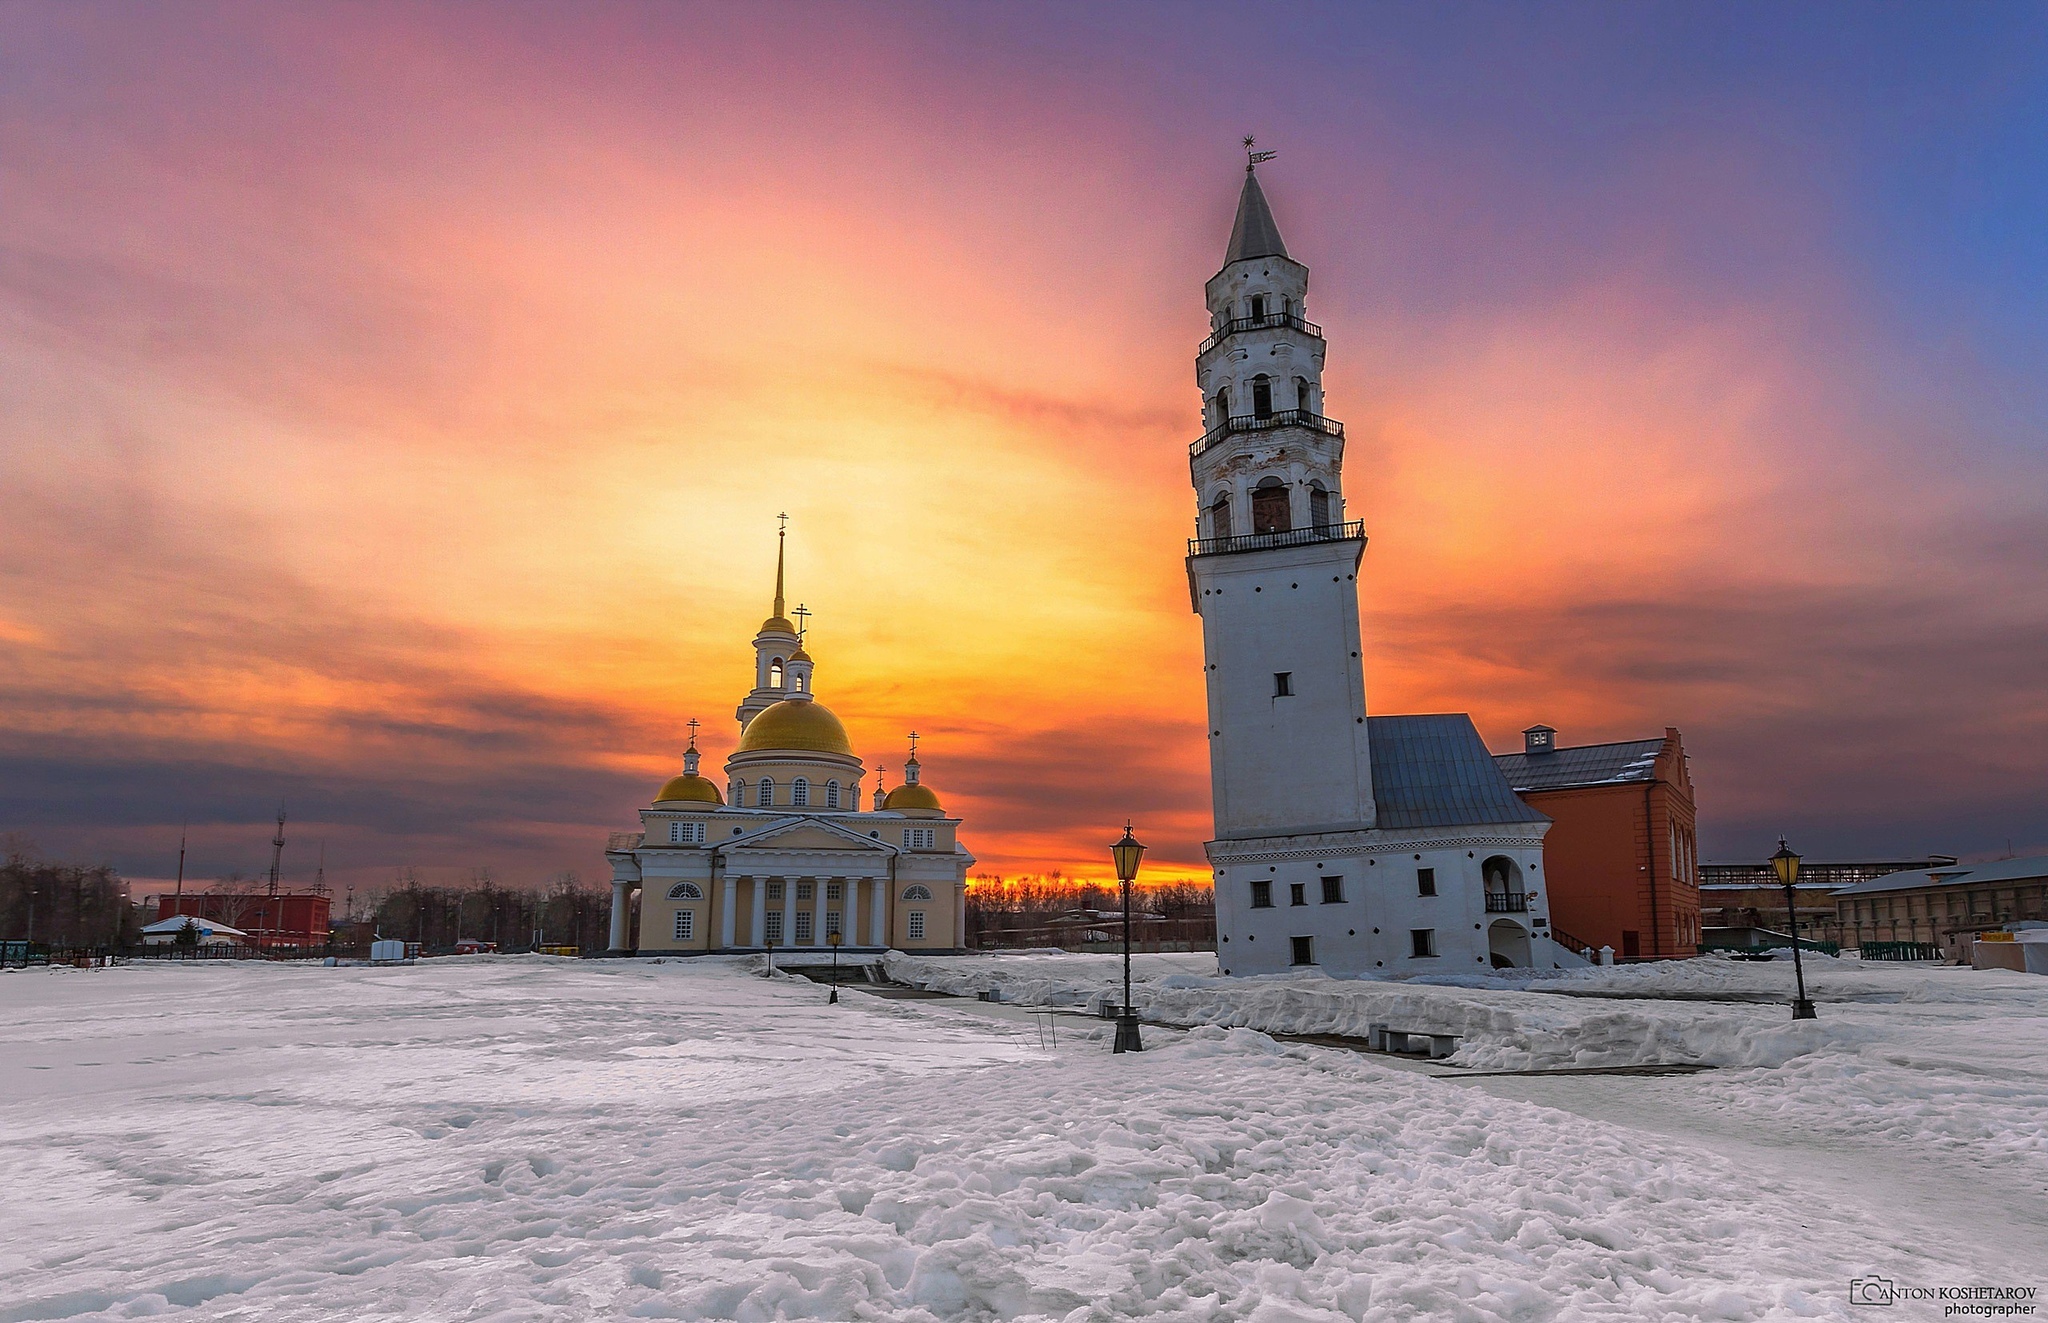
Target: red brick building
point(289, 918)
point(1622, 857)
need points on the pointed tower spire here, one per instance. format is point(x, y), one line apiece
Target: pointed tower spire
point(781, 534)
point(1255, 234)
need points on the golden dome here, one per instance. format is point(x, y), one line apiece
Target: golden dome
point(777, 625)
point(695, 789)
point(799, 654)
point(911, 797)
point(796, 723)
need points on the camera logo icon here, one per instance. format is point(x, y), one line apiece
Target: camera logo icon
point(1873, 1291)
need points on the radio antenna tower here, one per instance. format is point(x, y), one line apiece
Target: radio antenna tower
point(277, 848)
point(320, 873)
point(179, 893)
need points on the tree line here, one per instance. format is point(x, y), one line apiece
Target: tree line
point(566, 912)
point(61, 904)
point(1041, 909)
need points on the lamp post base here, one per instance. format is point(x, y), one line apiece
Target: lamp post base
point(833, 1000)
point(1127, 1034)
point(1802, 1009)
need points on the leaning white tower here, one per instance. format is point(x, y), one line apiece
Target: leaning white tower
point(1274, 566)
point(1356, 844)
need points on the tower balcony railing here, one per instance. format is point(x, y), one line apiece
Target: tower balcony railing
point(1293, 537)
point(1270, 321)
point(1251, 422)
point(1507, 902)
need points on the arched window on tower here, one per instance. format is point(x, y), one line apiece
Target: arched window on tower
point(1269, 507)
point(1301, 396)
point(1258, 307)
point(831, 794)
point(800, 793)
point(739, 794)
point(775, 674)
point(1318, 504)
point(1222, 405)
point(1262, 396)
point(1219, 515)
point(767, 799)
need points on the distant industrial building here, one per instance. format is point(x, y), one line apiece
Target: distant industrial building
point(1747, 893)
point(1621, 852)
point(286, 918)
point(1945, 906)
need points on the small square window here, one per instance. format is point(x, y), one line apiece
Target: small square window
point(804, 890)
point(919, 838)
point(1333, 891)
point(1425, 881)
point(1283, 684)
point(1262, 895)
point(775, 891)
point(832, 890)
point(1424, 940)
point(1297, 893)
point(1304, 950)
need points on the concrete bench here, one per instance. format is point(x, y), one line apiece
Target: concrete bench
point(1386, 1038)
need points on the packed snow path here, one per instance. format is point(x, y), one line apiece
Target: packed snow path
point(531, 1138)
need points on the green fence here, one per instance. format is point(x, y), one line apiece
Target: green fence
point(1903, 951)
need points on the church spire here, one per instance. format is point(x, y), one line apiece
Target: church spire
point(781, 535)
point(1255, 234)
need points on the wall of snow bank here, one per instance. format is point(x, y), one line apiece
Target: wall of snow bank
point(1500, 1029)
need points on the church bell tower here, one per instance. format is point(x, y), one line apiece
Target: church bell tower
point(1273, 568)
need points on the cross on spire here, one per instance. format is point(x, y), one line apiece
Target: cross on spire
point(693, 723)
point(802, 614)
point(781, 533)
point(913, 746)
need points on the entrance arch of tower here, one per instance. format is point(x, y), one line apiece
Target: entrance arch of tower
point(1269, 507)
point(1508, 943)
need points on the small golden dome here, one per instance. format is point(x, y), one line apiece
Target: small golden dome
point(796, 723)
point(799, 654)
point(777, 625)
point(911, 797)
point(693, 789)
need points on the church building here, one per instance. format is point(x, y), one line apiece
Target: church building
point(1352, 843)
point(784, 856)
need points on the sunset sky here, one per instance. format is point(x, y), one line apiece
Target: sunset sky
point(397, 401)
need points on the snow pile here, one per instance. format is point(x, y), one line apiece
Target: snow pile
point(507, 1138)
point(1501, 1027)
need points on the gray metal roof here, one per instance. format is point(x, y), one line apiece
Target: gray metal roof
point(1434, 771)
point(1254, 234)
point(1585, 765)
point(1958, 875)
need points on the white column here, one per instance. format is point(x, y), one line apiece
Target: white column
point(760, 908)
point(621, 921)
point(852, 921)
point(788, 911)
point(727, 899)
point(878, 916)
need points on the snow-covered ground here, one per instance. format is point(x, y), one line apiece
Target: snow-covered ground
point(521, 1138)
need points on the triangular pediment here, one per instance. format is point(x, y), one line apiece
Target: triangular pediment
point(808, 834)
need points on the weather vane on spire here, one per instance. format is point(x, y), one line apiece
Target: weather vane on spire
point(1253, 157)
point(802, 614)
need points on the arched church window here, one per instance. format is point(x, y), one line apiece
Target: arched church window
point(739, 794)
point(801, 686)
point(917, 893)
point(1269, 507)
point(831, 794)
point(1258, 307)
point(1222, 404)
point(686, 891)
point(800, 793)
point(1318, 505)
point(1262, 396)
point(1219, 516)
point(775, 674)
point(767, 798)
point(1301, 396)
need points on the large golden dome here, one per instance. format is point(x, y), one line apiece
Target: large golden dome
point(694, 789)
point(796, 723)
point(911, 797)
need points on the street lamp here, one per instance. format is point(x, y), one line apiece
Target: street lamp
point(1787, 865)
point(1127, 852)
point(833, 939)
